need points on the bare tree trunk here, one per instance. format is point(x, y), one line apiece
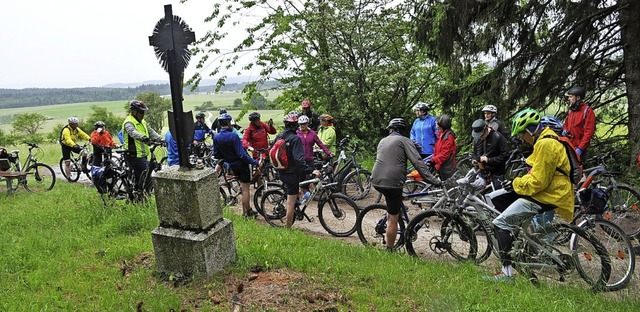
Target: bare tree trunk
point(631, 50)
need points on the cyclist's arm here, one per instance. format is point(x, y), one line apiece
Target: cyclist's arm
point(317, 140)
point(153, 134)
point(130, 129)
point(83, 135)
point(416, 161)
point(245, 137)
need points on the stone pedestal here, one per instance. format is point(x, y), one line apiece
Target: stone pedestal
point(193, 239)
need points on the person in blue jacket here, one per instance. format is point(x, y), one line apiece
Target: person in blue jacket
point(199, 135)
point(424, 129)
point(172, 149)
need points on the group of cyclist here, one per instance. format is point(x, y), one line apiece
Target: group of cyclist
point(545, 187)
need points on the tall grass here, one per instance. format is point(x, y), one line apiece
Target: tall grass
point(62, 250)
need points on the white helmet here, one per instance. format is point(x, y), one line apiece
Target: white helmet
point(73, 120)
point(490, 108)
point(303, 119)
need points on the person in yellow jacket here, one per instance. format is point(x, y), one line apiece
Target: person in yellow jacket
point(137, 134)
point(544, 188)
point(68, 137)
point(327, 133)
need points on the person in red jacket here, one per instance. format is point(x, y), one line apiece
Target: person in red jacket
point(256, 136)
point(580, 124)
point(444, 153)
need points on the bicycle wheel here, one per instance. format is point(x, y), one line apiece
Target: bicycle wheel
point(274, 207)
point(75, 171)
point(338, 214)
point(40, 177)
point(357, 184)
point(623, 207)
point(371, 226)
point(464, 165)
point(620, 250)
point(482, 236)
point(439, 231)
point(546, 258)
point(257, 194)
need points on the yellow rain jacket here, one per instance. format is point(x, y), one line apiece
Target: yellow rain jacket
point(69, 136)
point(544, 183)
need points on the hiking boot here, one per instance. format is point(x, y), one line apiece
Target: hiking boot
point(250, 215)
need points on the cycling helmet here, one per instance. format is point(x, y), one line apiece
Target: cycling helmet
point(444, 121)
point(524, 120)
point(73, 120)
point(578, 91)
point(306, 103)
point(293, 113)
point(422, 106)
point(99, 124)
point(552, 122)
point(303, 119)
point(291, 118)
point(399, 124)
point(254, 116)
point(224, 117)
point(137, 105)
point(223, 111)
point(326, 117)
point(490, 108)
point(200, 115)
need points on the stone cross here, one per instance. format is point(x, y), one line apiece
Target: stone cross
point(170, 40)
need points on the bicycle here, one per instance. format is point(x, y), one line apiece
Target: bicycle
point(457, 238)
point(623, 198)
point(79, 164)
point(353, 180)
point(39, 176)
point(535, 253)
point(337, 212)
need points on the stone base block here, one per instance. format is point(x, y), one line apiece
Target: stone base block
point(187, 199)
point(194, 254)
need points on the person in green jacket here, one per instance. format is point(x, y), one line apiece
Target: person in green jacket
point(137, 134)
point(327, 133)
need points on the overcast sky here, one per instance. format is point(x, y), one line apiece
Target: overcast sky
point(81, 43)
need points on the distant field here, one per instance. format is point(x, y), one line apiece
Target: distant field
point(58, 114)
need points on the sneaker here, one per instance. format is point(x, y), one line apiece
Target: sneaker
point(499, 277)
point(250, 215)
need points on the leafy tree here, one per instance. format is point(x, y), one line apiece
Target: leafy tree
point(113, 122)
point(206, 106)
point(515, 54)
point(28, 124)
point(237, 102)
point(353, 59)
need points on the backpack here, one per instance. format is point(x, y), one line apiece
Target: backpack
point(575, 173)
point(60, 135)
point(278, 154)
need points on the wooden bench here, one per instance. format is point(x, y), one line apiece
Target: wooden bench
point(9, 177)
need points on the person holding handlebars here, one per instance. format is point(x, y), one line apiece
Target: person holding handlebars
point(68, 137)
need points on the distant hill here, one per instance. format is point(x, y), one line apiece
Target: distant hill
point(33, 97)
point(205, 82)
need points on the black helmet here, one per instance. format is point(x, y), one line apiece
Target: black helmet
point(137, 105)
point(444, 121)
point(223, 111)
point(254, 116)
point(200, 115)
point(399, 124)
point(99, 124)
point(578, 91)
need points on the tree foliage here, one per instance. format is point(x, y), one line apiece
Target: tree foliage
point(28, 124)
point(158, 106)
point(517, 54)
point(353, 59)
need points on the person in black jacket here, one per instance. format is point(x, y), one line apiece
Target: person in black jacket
point(490, 152)
point(297, 169)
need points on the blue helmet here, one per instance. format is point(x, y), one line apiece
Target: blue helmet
point(552, 122)
point(224, 117)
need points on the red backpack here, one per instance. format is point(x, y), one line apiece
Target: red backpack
point(278, 154)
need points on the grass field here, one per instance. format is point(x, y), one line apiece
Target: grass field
point(58, 114)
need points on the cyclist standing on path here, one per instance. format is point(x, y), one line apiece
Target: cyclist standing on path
point(327, 133)
point(100, 139)
point(543, 188)
point(137, 134)
point(297, 169)
point(309, 138)
point(424, 129)
point(228, 147)
point(390, 171)
point(490, 112)
point(580, 124)
point(256, 136)
point(68, 137)
point(314, 120)
point(199, 134)
point(490, 152)
point(444, 153)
